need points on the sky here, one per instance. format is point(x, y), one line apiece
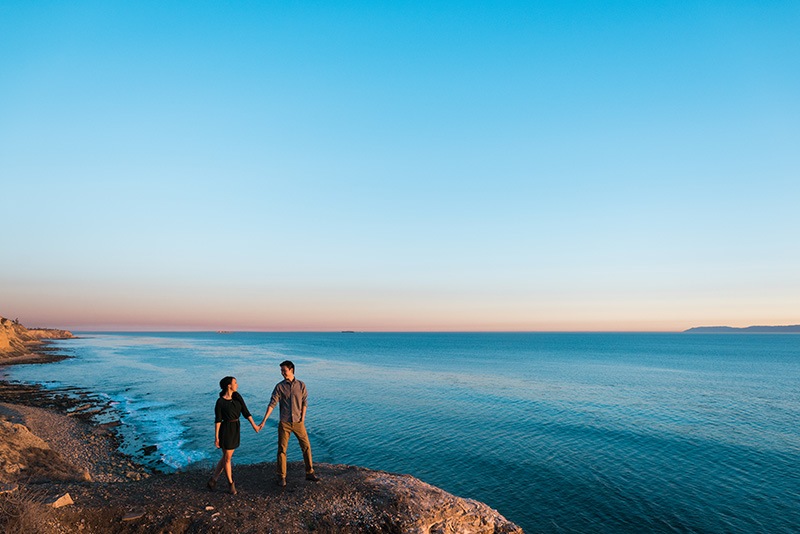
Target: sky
point(405, 165)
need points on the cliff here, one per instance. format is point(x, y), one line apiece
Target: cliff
point(16, 340)
point(52, 458)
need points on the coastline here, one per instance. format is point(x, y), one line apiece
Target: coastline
point(42, 354)
point(62, 418)
point(110, 492)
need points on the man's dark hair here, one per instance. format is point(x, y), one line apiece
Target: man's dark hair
point(288, 364)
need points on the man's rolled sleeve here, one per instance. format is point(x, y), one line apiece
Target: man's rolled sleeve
point(273, 401)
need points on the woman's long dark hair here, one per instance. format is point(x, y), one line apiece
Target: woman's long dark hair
point(223, 385)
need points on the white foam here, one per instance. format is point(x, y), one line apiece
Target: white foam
point(159, 424)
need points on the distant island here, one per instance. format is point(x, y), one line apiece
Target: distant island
point(790, 329)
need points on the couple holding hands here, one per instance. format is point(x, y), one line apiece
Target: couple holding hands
point(291, 395)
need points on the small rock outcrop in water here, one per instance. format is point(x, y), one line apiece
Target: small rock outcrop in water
point(427, 509)
point(16, 340)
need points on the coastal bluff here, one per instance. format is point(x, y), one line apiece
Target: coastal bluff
point(16, 340)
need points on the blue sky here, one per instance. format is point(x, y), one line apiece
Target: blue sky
point(400, 165)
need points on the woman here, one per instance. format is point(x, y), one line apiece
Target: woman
point(226, 428)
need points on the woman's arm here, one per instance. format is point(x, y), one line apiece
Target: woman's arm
point(245, 412)
point(217, 422)
point(255, 427)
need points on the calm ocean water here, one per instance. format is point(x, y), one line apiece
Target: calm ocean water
point(562, 433)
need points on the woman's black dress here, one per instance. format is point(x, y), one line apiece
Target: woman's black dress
point(227, 413)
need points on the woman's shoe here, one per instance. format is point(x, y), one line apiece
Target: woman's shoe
point(211, 483)
point(232, 489)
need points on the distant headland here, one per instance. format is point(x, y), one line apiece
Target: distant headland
point(788, 329)
point(19, 342)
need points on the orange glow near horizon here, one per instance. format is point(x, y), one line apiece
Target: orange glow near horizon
point(75, 309)
point(92, 322)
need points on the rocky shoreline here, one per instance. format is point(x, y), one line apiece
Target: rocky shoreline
point(60, 472)
point(64, 419)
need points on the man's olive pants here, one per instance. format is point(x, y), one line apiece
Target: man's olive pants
point(299, 429)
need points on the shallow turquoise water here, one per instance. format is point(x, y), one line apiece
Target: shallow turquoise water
point(601, 433)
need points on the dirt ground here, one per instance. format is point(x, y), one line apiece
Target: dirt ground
point(343, 501)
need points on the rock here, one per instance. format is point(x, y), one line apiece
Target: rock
point(22, 429)
point(133, 475)
point(8, 488)
point(61, 500)
point(430, 510)
point(85, 475)
point(133, 514)
point(11, 468)
point(112, 424)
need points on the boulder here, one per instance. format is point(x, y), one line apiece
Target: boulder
point(426, 509)
point(133, 514)
point(62, 500)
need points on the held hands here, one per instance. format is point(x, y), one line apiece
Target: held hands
point(253, 424)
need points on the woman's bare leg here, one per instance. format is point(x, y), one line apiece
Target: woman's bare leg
point(226, 458)
point(219, 467)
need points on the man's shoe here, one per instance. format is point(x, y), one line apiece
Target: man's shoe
point(282, 481)
point(312, 477)
point(211, 483)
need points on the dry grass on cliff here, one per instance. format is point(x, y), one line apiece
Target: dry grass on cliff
point(25, 512)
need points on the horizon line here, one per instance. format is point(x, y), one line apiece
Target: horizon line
point(237, 331)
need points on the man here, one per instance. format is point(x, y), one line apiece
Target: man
point(292, 397)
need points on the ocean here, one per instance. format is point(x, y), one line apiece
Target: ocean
point(608, 433)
